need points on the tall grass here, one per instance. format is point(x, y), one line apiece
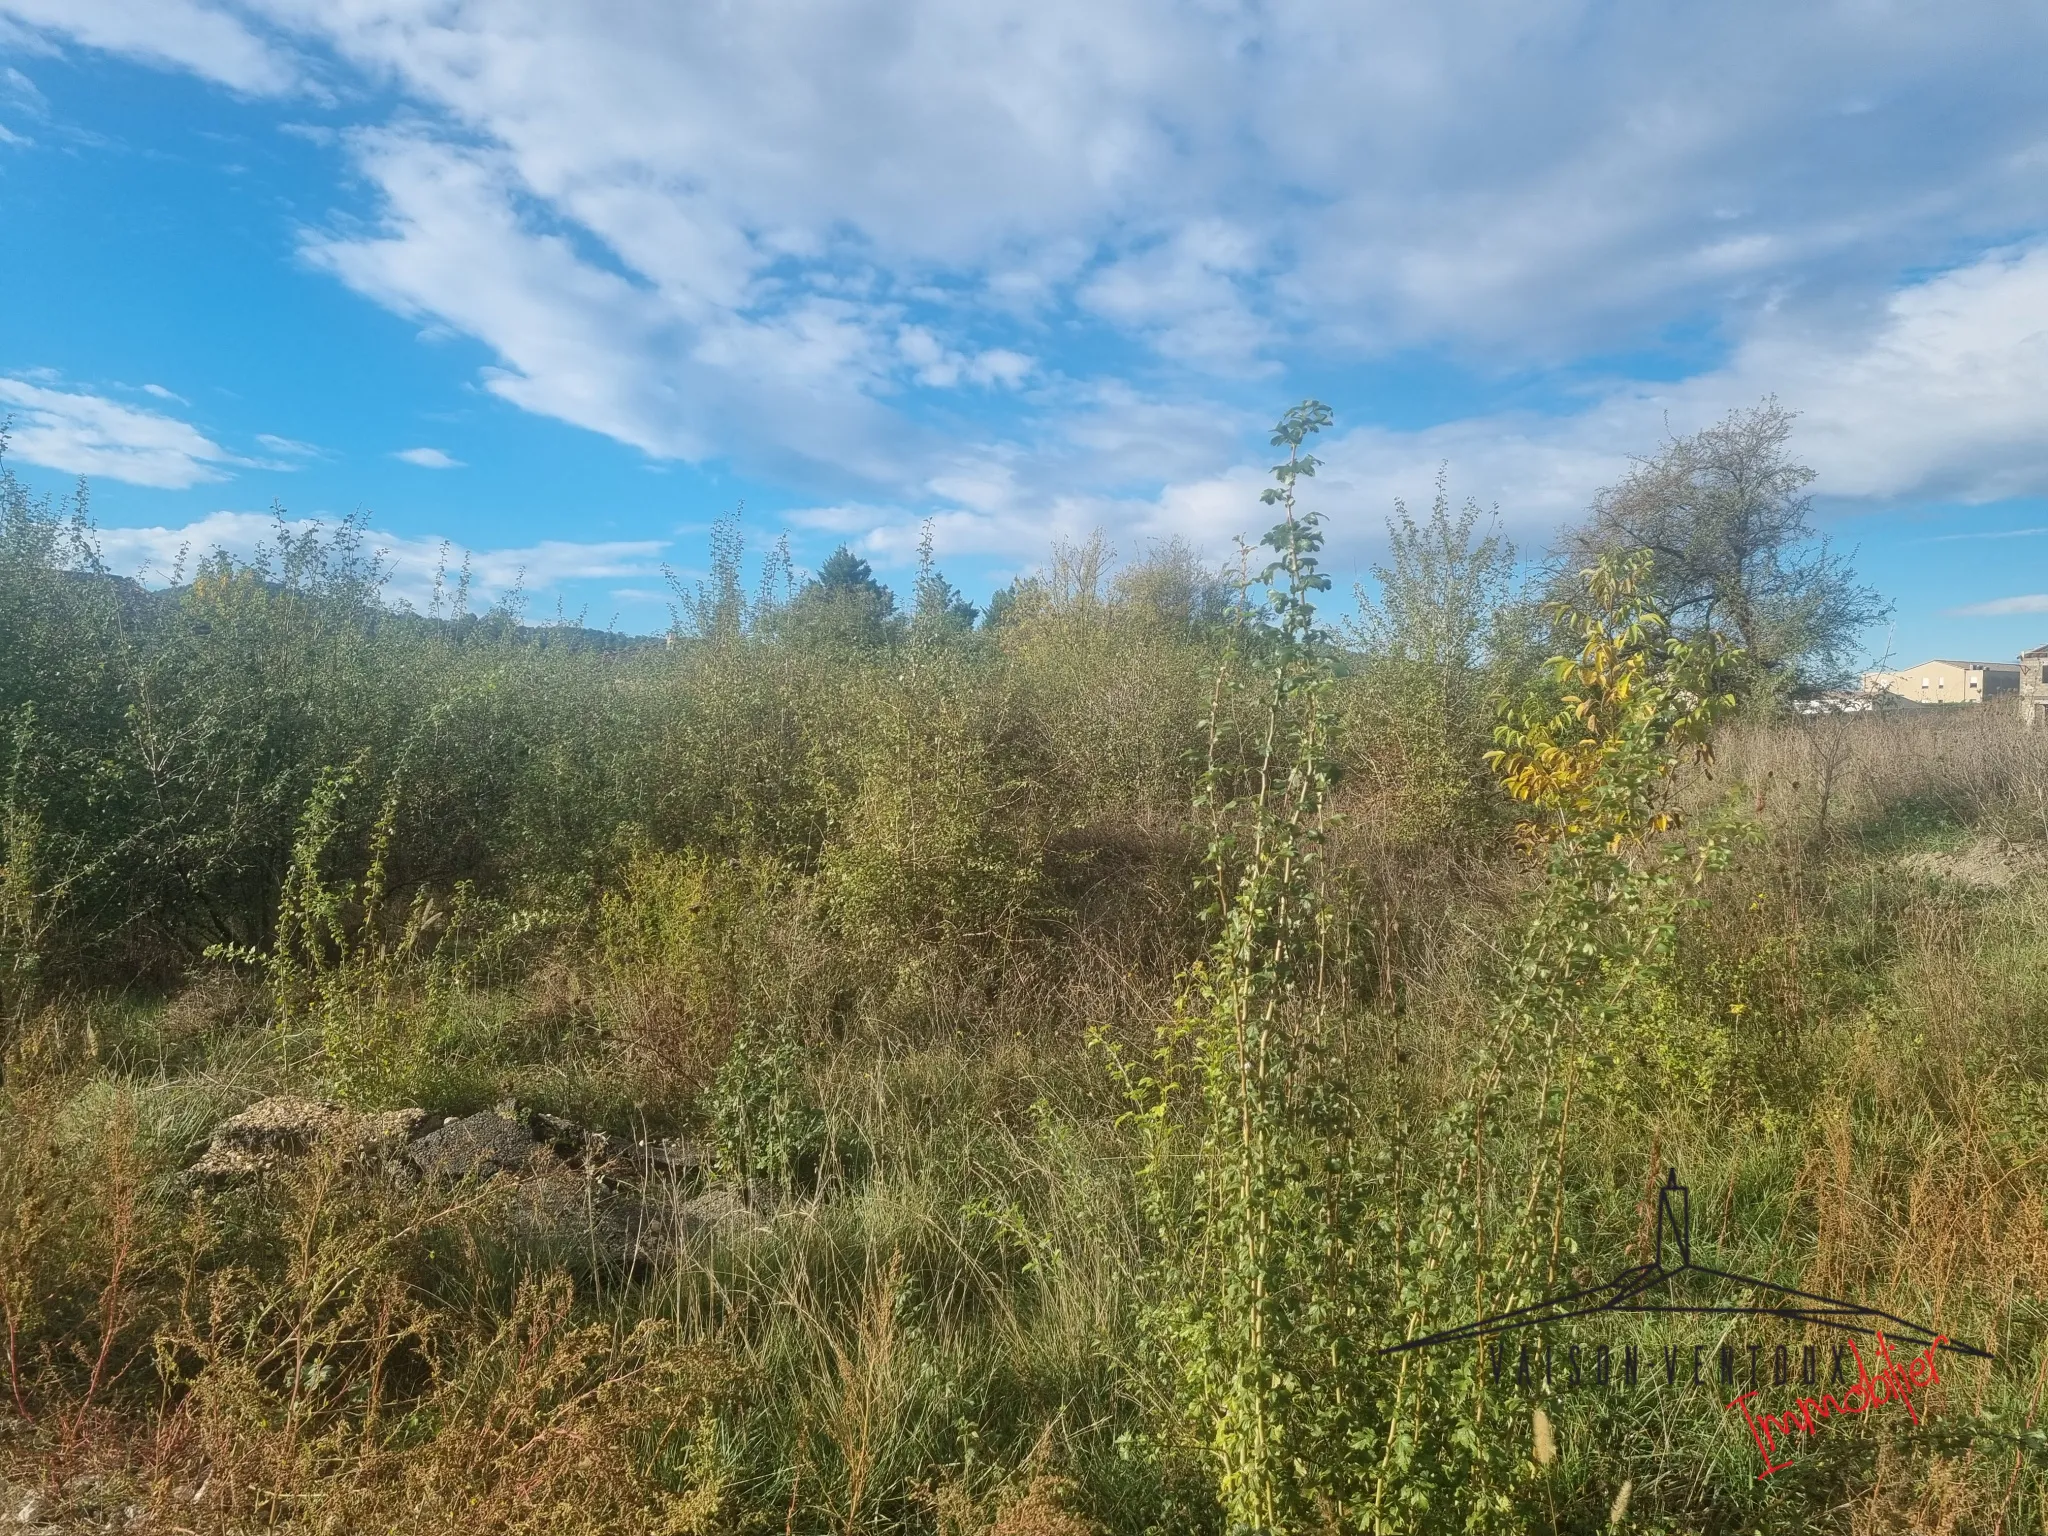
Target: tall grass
point(849, 916)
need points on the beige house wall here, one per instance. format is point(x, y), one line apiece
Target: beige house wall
point(1946, 682)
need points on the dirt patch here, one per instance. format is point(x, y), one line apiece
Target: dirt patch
point(1988, 864)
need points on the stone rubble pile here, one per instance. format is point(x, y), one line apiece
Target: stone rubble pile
point(635, 1198)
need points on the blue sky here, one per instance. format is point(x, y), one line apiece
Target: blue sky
point(559, 283)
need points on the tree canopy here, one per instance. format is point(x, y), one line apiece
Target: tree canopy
point(1727, 518)
point(844, 605)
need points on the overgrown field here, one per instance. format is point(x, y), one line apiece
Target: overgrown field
point(1108, 1026)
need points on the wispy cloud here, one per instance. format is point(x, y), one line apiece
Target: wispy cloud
point(84, 434)
point(157, 555)
point(428, 458)
point(2002, 607)
point(1989, 533)
point(203, 38)
point(1944, 393)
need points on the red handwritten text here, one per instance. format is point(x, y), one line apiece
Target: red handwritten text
point(1893, 1383)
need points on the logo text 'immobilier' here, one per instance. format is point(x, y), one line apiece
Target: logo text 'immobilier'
point(1893, 1383)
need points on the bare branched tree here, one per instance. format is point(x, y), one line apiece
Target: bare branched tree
point(1438, 643)
point(1727, 515)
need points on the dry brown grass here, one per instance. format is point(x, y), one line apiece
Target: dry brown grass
point(1829, 775)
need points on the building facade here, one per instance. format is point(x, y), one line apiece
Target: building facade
point(2034, 685)
point(1951, 682)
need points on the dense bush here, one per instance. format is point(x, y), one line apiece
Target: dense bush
point(1120, 1016)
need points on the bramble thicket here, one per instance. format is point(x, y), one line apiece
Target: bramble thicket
point(1000, 1073)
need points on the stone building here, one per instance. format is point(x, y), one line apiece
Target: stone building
point(2034, 685)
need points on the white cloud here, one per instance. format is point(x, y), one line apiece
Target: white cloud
point(793, 235)
point(17, 91)
point(163, 394)
point(715, 232)
point(18, 88)
point(1485, 168)
point(1945, 394)
point(20, 40)
point(157, 555)
point(939, 367)
point(653, 369)
point(2003, 607)
point(202, 38)
point(1940, 392)
point(1192, 293)
point(90, 435)
point(999, 367)
point(290, 447)
point(428, 458)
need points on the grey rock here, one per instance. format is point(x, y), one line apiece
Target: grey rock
point(560, 1205)
point(482, 1145)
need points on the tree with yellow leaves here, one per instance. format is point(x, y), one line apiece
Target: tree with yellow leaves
point(1596, 773)
point(1634, 699)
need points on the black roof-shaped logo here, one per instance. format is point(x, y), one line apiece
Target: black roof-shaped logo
point(1646, 1288)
